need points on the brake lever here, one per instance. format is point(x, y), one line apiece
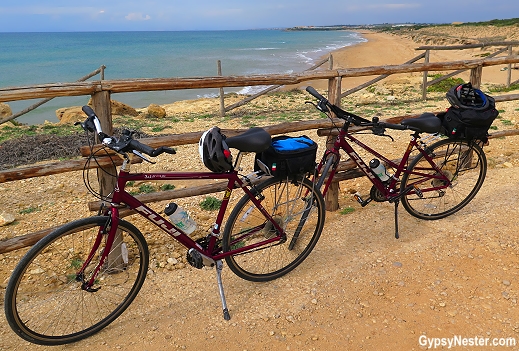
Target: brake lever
point(137, 153)
point(389, 136)
point(379, 129)
point(320, 107)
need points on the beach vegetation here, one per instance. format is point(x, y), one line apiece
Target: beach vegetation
point(347, 210)
point(157, 129)
point(8, 132)
point(500, 88)
point(30, 209)
point(165, 187)
point(494, 22)
point(444, 85)
point(210, 203)
point(143, 189)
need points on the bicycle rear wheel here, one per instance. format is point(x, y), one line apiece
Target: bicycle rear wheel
point(465, 165)
point(44, 300)
point(296, 207)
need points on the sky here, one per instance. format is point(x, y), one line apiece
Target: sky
point(174, 15)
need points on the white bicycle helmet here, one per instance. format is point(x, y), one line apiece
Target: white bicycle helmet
point(214, 152)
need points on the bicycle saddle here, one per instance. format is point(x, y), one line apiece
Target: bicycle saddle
point(427, 122)
point(253, 140)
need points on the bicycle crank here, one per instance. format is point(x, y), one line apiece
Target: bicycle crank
point(199, 260)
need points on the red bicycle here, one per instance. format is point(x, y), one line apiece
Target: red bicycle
point(81, 277)
point(433, 179)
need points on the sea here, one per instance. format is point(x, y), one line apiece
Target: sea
point(39, 58)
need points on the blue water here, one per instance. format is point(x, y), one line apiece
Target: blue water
point(38, 58)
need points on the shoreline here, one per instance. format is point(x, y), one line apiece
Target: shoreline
point(379, 49)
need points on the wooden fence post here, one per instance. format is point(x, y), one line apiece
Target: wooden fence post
point(106, 175)
point(509, 76)
point(222, 102)
point(331, 200)
point(475, 76)
point(334, 96)
point(424, 81)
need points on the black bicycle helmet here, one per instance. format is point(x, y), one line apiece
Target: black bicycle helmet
point(465, 96)
point(214, 151)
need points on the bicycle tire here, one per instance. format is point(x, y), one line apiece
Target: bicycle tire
point(465, 164)
point(287, 202)
point(44, 302)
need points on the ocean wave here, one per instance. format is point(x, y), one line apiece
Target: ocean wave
point(257, 49)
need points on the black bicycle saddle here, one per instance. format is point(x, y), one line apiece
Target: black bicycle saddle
point(253, 140)
point(427, 122)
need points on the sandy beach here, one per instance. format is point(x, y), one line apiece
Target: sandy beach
point(393, 49)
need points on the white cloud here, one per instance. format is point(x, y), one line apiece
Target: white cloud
point(394, 6)
point(137, 16)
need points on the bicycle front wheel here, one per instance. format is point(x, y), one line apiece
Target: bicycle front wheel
point(44, 300)
point(296, 207)
point(462, 162)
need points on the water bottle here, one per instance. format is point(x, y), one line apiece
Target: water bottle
point(180, 218)
point(379, 169)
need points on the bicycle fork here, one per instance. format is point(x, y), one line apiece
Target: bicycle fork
point(112, 223)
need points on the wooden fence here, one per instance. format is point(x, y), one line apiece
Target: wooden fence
point(508, 48)
point(101, 90)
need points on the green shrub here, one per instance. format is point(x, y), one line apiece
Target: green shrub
point(444, 85)
point(347, 210)
point(146, 188)
point(210, 203)
point(165, 187)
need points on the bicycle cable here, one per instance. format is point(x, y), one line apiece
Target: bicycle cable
point(86, 174)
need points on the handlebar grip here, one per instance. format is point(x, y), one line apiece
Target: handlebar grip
point(88, 110)
point(148, 150)
point(163, 149)
point(314, 93)
point(137, 145)
point(395, 126)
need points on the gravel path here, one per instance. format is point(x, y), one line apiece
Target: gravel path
point(360, 287)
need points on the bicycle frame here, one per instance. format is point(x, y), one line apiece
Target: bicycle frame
point(213, 251)
point(387, 189)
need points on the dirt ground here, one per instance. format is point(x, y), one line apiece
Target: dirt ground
point(359, 289)
point(451, 280)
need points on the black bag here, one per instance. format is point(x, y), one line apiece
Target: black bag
point(288, 156)
point(466, 119)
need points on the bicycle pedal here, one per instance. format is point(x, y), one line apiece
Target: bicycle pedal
point(418, 191)
point(359, 199)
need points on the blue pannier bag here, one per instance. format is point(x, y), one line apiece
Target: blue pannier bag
point(288, 157)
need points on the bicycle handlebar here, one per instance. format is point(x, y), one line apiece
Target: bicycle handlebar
point(324, 105)
point(125, 143)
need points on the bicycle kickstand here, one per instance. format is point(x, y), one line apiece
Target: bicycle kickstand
point(219, 267)
point(397, 201)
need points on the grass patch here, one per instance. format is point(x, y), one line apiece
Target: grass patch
point(444, 85)
point(29, 210)
point(347, 210)
point(210, 203)
point(503, 88)
point(165, 187)
point(143, 189)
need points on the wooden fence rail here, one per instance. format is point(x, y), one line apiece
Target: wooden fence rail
point(428, 48)
point(99, 71)
point(156, 84)
point(101, 90)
